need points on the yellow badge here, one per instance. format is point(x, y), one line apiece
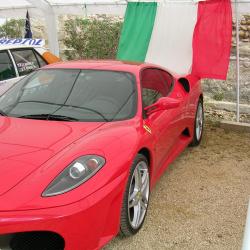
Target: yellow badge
point(148, 129)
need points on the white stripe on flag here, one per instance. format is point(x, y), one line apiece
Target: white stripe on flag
point(171, 42)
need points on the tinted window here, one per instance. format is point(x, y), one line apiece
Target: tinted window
point(155, 84)
point(7, 70)
point(25, 60)
point(84, 95)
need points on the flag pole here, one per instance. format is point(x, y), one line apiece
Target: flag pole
point(28, 32)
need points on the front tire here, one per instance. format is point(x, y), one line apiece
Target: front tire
point(198, 124)
point(136, 197)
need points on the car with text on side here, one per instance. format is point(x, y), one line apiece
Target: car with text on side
point(19, 57)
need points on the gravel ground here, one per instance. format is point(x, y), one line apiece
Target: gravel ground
point(219, 115)
point(201, 200)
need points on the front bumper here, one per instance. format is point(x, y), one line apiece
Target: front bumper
point(87, 224)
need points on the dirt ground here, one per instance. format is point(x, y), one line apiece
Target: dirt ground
point(201, 200)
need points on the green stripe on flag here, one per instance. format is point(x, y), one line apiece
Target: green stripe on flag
point(137, 31)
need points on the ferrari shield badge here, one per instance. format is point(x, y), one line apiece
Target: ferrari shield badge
point(147, 128)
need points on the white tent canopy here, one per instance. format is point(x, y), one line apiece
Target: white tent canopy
point(50, 9)
point(17, 8)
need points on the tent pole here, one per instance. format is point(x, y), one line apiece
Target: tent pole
point(237, 62)
point(51, 23)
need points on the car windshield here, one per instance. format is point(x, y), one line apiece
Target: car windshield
point(72, 95)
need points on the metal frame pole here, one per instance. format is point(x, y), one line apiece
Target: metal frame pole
point(51, 23)
point(246, 241)
point(237, 62)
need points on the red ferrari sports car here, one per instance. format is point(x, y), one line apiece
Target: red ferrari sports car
point(81, 146)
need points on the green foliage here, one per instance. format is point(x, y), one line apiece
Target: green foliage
point(218, 96)
point(92, 38)
point(12, 28)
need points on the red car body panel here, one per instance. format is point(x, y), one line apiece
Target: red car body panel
point(37, 151)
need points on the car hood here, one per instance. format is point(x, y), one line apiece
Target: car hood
point(25, 144)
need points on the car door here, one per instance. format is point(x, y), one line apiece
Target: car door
point(8, 73)
point(157, 83)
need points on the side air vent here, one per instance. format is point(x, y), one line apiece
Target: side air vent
point(185, 84)
point(186, 132)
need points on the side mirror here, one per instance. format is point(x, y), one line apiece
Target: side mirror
point(163, 103)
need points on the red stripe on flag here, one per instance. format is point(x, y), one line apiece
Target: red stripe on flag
point(212, 39)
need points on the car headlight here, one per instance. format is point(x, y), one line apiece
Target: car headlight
point(75, 174)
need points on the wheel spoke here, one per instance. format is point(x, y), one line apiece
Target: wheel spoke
point(133, 203)
point(138, 178)
point(133, 195)
point(138, 214)
point(132, 199)
point(145, 183)
point(143, 205)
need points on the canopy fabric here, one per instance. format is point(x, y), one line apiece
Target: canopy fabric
point(18, 8)
point(50, 9)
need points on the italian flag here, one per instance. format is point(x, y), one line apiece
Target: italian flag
point(186, 37)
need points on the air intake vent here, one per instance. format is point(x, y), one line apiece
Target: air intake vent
point(37, 241)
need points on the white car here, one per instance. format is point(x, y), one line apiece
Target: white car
point(18, 60)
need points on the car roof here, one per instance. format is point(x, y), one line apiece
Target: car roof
point(4, 47)
point(102, 65)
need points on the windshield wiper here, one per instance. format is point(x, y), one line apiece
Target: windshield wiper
point(2, 113)
point(38, 117)
point(94, 111)
point(49, 117)
point(62, 118)
point(61, 106)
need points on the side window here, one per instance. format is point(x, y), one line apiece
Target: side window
point(7, 70)
point(168, 81)
point(155, 83)
point(25, 60)
point(40, 60)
